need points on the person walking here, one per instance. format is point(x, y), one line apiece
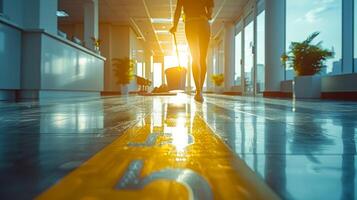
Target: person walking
point(198, 32)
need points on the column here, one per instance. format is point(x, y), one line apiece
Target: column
point(148, 64)
point(189, 75)
point(274, 45)
point(210, 64)
point(229, 55)
point(347, 36)
point(91, 22)
point(41, 14)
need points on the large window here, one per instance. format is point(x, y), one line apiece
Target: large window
point(140, 69)
point(238, 59)
point(249, 56)
point(260, 48)
point(157, 74)
point(303, 17)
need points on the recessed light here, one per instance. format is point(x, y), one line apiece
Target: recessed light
point(62, 13)
point(162, 32)
point(164, 42)
point(161, 20)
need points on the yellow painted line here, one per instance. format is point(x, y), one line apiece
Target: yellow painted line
point(178, 157)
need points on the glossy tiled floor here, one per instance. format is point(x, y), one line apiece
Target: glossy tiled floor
point(301, 150)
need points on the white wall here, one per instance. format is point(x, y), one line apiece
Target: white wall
point(119, 48)
point(40, 14)
point(74, 30)
point(13, 10)
point(105, 49)
point(48, 16)
point(229, 57)
point(30, 14)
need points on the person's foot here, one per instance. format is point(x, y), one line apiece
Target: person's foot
point(198, 97)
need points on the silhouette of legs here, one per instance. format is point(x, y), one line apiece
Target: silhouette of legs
point(198, 35)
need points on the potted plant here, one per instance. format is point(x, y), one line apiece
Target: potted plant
point(307, 60)
point(218, 80)
point(96, 44)
point(123, 71)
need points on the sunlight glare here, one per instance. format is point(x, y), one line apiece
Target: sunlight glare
point(172, 61)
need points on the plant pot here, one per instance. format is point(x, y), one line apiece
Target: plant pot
point(307, 87)
point(124, 90)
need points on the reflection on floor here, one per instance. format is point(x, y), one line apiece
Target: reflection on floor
point(300, 149)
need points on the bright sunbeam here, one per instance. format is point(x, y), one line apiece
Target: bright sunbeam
point(172, 61)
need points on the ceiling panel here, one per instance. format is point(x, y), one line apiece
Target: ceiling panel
point(139, 14)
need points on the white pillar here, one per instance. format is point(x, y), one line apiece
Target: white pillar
point(41, 14)
point(347, 37)
point(91, 22)
point(274, 44)
point(189, 75)
point(229, 55)
point(148, 64)
point(210, 56)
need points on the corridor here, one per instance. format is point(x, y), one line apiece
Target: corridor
point(135, 147)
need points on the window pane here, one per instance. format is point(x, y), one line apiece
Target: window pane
point(157, 74)
point(215, 60)
point(238, 59)
point(261, 52)
point(248, 57)
point(139, 69)
point(303, 17)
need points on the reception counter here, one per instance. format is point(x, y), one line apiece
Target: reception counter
point(40, 65)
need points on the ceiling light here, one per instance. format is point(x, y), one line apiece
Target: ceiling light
point(62, 13)
point(161, 20)
point(164, 42)
point(162, 31)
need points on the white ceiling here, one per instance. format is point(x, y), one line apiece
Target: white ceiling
point(138, 14)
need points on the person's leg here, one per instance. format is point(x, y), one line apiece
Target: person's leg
point(205, 34)
point(193, 42)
